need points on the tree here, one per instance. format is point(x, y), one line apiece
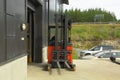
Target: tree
point(88, 15)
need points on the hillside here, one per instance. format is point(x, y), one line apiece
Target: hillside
point(94, 34)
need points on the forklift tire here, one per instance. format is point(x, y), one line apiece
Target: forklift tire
point(49, 67)
point(73, 67)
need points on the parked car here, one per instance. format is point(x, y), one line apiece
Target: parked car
point(112, 54)
point(96, 49)
point(116, 57)
point(115, 60)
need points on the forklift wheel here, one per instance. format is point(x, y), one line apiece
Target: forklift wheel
point(74, 68)
point(49, 67)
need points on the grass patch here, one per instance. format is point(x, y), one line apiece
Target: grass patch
point(95, 31)
point(75, 55)
point(94, 34)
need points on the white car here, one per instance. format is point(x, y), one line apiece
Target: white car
point(96, 49)
point(112, 54)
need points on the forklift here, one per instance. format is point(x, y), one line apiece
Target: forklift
point(60, 46)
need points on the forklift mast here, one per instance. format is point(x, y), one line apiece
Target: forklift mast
point(60, 46)
point(64, 32)
point(60, 51)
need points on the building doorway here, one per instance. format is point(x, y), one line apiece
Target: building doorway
point(34, 32)
point(30, 34)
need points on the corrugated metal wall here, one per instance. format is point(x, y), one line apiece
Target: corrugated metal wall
point(2, 31)
point(38, 34)
point(12, 16)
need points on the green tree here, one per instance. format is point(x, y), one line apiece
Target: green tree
point(88, 15)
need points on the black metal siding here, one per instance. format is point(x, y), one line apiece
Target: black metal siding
point(12, 16)
point(1, 6)
point(38, 34)
point(2, 32)
point(45, 25)
point(15, 17)
point(11, 42)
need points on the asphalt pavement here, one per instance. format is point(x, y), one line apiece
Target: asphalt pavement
point(86, 70)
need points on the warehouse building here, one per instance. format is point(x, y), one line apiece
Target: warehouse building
point(24, 34)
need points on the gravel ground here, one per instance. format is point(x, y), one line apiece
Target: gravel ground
point(86, 70)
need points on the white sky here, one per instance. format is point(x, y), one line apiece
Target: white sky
point(109, 5)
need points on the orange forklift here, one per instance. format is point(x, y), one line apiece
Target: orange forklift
point(60, 46)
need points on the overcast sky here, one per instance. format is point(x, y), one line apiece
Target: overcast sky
point(109, 5)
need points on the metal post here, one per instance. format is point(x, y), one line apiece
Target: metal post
point(65, 32)
point(56, 32)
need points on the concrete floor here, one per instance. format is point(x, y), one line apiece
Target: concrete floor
point(86, 70)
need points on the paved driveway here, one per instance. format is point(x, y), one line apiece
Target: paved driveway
point(86, 70)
